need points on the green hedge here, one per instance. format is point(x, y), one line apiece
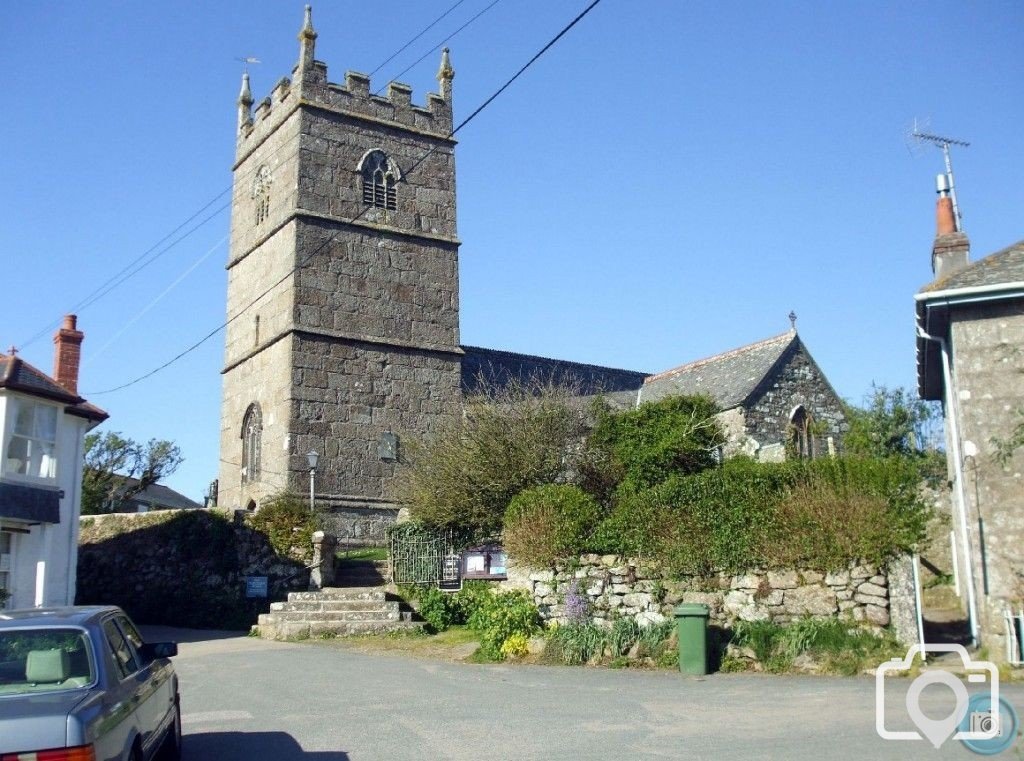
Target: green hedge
point(821, 513)
point(549, 523)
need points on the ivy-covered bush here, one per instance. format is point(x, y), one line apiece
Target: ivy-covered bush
point(675, 436)
point(289, 524)
point(549, 523)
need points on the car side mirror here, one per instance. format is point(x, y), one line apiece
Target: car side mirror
point(152, 650)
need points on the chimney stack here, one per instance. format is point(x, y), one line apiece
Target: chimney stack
point(951, 251)
point(67, 353)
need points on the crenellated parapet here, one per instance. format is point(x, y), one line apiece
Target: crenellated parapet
point(309, 86)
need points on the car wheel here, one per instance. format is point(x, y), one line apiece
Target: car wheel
point(171, 749)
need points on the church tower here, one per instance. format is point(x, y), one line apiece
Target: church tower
point(343, 295)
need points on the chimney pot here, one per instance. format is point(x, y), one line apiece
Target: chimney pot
point(67, 353)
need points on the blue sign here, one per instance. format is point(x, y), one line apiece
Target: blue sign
point(255, 586)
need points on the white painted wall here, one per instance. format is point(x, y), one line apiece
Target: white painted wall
point(53, 545)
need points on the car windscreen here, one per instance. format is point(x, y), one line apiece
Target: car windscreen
point(44, 660)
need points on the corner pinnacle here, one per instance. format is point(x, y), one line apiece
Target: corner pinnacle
point(445, 72)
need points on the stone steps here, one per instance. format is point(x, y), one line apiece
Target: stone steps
point(362, 573)
point(335, 611)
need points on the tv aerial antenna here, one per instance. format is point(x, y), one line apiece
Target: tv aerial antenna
point(921, 136)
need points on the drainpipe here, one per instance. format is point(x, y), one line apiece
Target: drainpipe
point(961, 501)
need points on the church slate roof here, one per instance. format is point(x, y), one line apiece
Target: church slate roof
point(499, 367)
point(1006, 266)
point(18, 375)
point(730, 378)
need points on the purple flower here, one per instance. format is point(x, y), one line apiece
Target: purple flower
point(577, 606)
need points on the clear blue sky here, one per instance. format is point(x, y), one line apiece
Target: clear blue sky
point(668, 182)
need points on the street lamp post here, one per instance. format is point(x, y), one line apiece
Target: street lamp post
point(312, 458)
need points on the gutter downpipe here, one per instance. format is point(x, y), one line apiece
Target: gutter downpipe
point(954, 424)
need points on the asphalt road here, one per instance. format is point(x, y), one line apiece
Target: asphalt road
point(246, 699)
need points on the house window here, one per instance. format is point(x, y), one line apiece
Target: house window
point(31, 448)
point(380, 176)
point(252, 432)
point(6, 565)
point(801, 436)
point(261, 194)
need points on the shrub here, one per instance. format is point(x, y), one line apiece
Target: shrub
point(289, 524)
point(473, 596)
point(674, 436)
point(552, 522)
point(507, 440)
point(437, 609)
point(822, 513)
point(502, 616)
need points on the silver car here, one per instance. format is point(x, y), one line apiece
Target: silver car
point(79, 684)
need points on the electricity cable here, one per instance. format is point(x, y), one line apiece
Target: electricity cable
point(127, 272)
point(333, 237)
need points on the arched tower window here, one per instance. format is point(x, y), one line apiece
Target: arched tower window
point(801, 435)
point(380, 176)
point(252, 432)
point(261, 193)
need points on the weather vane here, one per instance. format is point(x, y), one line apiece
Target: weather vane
point(246, 60)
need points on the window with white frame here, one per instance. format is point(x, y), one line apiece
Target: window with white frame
point(31, 448)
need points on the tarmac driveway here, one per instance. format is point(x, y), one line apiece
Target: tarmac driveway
point(247, 699)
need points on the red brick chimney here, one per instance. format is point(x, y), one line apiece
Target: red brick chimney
point(952, 250)
point(67, 353)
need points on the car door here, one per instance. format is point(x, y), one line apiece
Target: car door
point(119, 727)
point(155, 710)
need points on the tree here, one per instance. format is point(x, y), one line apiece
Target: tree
point(117, 468)
point(891, 422)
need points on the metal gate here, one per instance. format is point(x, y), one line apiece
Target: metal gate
point(419, 557)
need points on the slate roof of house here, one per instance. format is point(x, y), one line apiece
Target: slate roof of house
point(160, 497)
point(1006, 266)
point(500, 367)
point(730, 378)
point(18, 375)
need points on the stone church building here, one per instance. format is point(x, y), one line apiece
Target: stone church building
point(343, 305)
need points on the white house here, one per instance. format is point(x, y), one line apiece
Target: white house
point(43, 421)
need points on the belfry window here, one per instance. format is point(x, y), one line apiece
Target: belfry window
point(261, 194)
point(252, 432)
point(380, 176)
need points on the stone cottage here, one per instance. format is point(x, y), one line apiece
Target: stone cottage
point(970, 330)
point(343, 305)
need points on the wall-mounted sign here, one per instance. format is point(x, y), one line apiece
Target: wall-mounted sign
point(387, 447)
point(255, 586)
point(486, 562)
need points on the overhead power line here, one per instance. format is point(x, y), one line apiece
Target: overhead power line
point(139, 263)
point(333, 237)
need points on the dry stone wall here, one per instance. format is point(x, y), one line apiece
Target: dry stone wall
point(616, 587)
point(181, 567)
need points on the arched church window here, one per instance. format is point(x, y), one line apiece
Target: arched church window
point(252, 432)
point(261, 193)
point(380, 177)
point(801, 434)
